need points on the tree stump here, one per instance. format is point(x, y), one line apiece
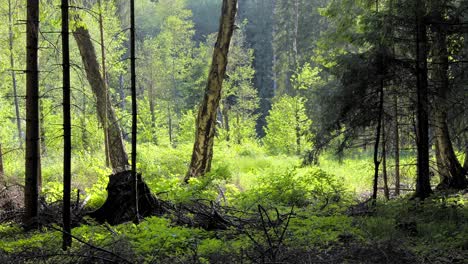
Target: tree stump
point(119, 206)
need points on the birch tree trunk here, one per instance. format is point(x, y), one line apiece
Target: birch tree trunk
point(206, 121)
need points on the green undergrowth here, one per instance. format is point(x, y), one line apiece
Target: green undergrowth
point(297, 210)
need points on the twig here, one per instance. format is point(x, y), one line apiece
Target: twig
point(92, 246)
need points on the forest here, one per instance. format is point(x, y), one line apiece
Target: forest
point(234, 131)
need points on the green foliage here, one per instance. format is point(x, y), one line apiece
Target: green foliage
point(310, 186)
point(288, 126)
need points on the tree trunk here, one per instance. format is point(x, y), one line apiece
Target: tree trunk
point(397, 147)
point(152, 109)
point(66, 210)
point(134, 108)
point(206, 120)
point(452, 174)
point(104, 77)
point(13, 75)
point(117, 154)
point(297, 128)
point(2, 170)
point(384, 162)
point(169, 124)
point(377, 142)
point(423, 184)
point(225, 112)
point(32, 164)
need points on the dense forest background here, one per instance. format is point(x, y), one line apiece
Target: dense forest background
point(340, 134)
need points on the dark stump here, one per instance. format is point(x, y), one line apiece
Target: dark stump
point(120, 203)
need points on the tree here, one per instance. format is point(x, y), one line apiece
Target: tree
point(206, 120)
point(2, 170)
point(117, 153)
point(13, 73)
point(33, 156)
point(452, 174)
point(67, 239)
point(287, 126)
point(134, 106)
point(423, 185)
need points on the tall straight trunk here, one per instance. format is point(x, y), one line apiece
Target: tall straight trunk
point(377, 142)
point(66, 210)
point(396, 146)
point(298, 129)
point(33, 147)
point(384, 161)
point(13, 75)
point(2, 170)
point(225, 116)
point(169, 124)
point(104, 76)
point(152, 112)
point(117, 154)
point(206, 120)
point(423, 184)
point(452, 174)
point(465, 164)
point(134, 106)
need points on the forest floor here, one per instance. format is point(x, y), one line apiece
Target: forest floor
point(275, 211)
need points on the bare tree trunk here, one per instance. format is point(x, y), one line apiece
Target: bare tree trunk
point(377, 142)
point(13, 74)
point(152, 108)
point(104, 77)
point(2, 170)
point(206, 120)
point(169, 123)
point(117, 154)
point(33, 147)
point(225, 112)
point(452, 174)
point(298, 129)
point(384, 161)
point(465, 164)
point(66, 210)
point(423, 184)
point(134, 107)
point(397, 147)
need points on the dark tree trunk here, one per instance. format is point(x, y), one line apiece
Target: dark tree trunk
point(227, 126)
point(2, 170)
point(67, 239)
point(206, 120)
point(384, 162)
point(397, 147)
point(33, 147)
point(423, 185)
point(452, 174)
point(13, 75)
point(134, 108)
point(117, 154)
point(377, 141)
